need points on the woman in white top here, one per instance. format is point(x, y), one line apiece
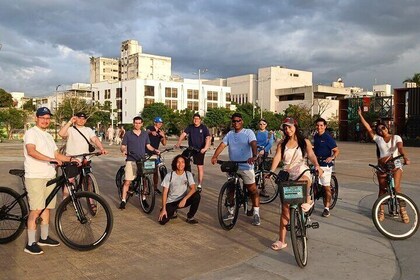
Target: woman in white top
point(389, 146)
point(293, 151)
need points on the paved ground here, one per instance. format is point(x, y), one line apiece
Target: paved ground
point(346, 246)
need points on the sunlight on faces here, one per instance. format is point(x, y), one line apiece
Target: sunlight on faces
point(320, 127)
point(180, 164)
point(43, 121)
point(289, 129)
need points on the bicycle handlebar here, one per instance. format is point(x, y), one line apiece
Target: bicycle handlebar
point(88, 154)
point(223, 161)
point(380, 169)
point(189, 148)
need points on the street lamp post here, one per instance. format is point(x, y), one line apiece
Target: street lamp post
point(262, 91)
point(55, 111)
point(200, 72)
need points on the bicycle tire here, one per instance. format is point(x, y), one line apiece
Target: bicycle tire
point(13, 220)
point(89, 233)
point(267, 184)
point(227, 197)
point(334, 191)
point(90, 184)
point(147, 195)
point(298, 236)
point(162, 172)
point(392, 227)
point(119, 180)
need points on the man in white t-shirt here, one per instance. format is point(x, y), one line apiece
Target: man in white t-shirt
point(110, 134)
point(39, 150)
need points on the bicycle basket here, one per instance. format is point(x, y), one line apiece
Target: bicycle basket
point(147, 166)
point(293, 192)
point(229, 166)
point(71, 170)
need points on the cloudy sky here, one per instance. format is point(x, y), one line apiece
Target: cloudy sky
point(48, 42)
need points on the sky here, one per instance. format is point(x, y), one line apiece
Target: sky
point(46, 43)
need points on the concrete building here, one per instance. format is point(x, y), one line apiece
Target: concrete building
point(18, 99)
point(104, 69)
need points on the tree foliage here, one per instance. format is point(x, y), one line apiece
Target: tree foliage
point(29, 106)
point(218, 118)
point(12, 118)
point(414, 79)
point(6, 99)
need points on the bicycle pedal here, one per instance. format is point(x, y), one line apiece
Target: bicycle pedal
point(314, 225)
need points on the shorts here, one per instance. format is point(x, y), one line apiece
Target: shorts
point(248, 176)
point(325, 180)
point(198, 158)
point(130, 170)
point(38, 193)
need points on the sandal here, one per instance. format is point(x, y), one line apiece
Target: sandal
point(307, 206)
point(404, 215)
point(278, 245)
point(381, 215)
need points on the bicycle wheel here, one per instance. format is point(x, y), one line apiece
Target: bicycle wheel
point(334, 191)
point(147, 195)
point(267, 187)
point(392, 225)
point(162, 172)
point(77, 227)
point(13, 213)
point(228, 206)
point(298, 236)
point(119, 180)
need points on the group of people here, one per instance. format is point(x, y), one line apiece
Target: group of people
point(115, 135)
point(179, 188)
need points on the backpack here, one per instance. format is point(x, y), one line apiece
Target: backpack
point(186, 175)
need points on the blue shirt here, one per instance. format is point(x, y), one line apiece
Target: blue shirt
point(263, 140)
point(197, 135)
point(323, 145)
point(136, 145)
point(239, 145)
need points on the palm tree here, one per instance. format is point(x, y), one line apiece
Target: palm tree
point(414, 79)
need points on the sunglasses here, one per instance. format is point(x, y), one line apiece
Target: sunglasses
point(263, 124)
point(236, 121)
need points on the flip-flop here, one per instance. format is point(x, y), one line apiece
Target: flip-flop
point(278, 245)
point(307, 206)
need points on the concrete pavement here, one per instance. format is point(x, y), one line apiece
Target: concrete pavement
point(346, 246)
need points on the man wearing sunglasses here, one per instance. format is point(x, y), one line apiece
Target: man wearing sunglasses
point(242, 146)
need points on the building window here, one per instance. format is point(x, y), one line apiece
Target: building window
point(192, 105)
point(212, 95)
point(149, 91)
point(173, 104)
point(228, 97)
point(149, 101)
point(192, 94)
point(211, 105)
point(171, 92)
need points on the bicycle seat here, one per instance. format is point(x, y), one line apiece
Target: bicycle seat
point(17, 172)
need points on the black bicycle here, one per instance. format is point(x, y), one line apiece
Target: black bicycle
point(76, 224)
point(188, 152)
point(142, 185)
point(388, 208)
point(232, 196)
point(265, 179)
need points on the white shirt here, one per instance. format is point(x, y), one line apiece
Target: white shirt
point(76, 144)
point(387, 149)
point(44, 143)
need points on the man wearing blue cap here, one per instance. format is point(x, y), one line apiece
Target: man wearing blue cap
point(156, 136)
point(39, 150)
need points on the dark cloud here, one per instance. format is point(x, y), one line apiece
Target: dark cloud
point(47, 42)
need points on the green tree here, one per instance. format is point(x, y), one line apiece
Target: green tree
point(414, 79)
point(303, 116)
point(6, 99)
point(29, 106)
point(12, 118)
point(218, 118)
point(246, 111)
point(156, 110)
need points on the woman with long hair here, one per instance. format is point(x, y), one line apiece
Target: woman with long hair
point(388, 146)
point(292, 151)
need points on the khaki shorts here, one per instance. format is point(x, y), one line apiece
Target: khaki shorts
point(325, 180)
point(130, 170)
point(248, 176)
point(38, 193)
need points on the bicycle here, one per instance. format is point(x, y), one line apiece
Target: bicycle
point(232, 196)
point(319, 190)
point(294, 193)
point(142, 185)
point(188, 153)
point(86, 181)
point(76, 224)
point(265, 180)
point(390, 205)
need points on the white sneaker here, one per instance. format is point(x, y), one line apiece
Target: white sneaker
point(256, 220)
point(199, 188)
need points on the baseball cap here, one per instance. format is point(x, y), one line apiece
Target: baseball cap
point(81, 115)
point(43, 111)
point(289, 122)
point(158, 120)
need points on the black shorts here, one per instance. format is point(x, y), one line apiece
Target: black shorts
point(198, 158)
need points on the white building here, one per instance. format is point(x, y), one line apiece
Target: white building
point(18, 99)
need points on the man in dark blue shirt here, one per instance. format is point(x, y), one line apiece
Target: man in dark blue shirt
point(134, 147)
point(199, 138)
point(156, 136)
point(326, 151)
